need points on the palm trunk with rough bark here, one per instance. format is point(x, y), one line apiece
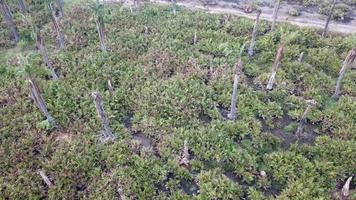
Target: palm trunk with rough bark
point(39, 101)
point(60, 4)
point(345, 191)
point(56, 25)
point(43, 51)
point(348, 62)
point(311, 104)
point(22, 6)
point(277, 5)
point(136, 5)
point(276, 65)
point(254, 34)
point(238, 70)
point(301, 57)
point(101, 32)
point(174, 9)
point(107, 133)
point(329, 18)
point(111, 88)
point(6, 12)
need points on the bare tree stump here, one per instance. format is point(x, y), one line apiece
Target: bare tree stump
point(348, 62)
point(238, 71)
point(45, 178)
point(301, 57)
point(276, 65)
point(184, 158)
point(329, 18)
point(22, 6)
point(56, 25)
point(121, 193)
point(107, 134)
point(277, 5)
point(60, 4)
point(6, 12)
point(43, 51)
point(311, 104)
point(174, 9)
point(254, 34)
point(345, 191)
point(111, 88)
point(39, 101)
point(101, 32)
point(195, 38)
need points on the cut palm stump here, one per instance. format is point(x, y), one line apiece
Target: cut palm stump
point(107, 134)
point(348, 62)
point(39, 101)
point(238, 70)
point(277, 63)
point(311, 104)
point(254, 34)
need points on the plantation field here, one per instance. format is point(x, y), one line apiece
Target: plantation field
point(166, 83)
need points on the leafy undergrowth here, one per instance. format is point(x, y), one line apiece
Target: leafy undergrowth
point(168, 90)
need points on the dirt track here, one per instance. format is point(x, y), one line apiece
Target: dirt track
point(306, 19)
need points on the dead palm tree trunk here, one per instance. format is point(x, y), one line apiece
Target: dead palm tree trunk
point(329, 18)
point(311, 104)
point(43, 51)
point(22, 6)
point(254, 34)
point(345, 191)
point(277, 5)
point(111, 88)
point(6, 12)
point(350, 59)
point(56, 24)
point(238, 70)
point(60, 4)
point(301, 57)
point(174, 9)
point(101, 31)
point(38, 99)
point(276, 65)
point(184, 158)
point(107, 133)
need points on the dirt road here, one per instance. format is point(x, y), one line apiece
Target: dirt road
point(313, 20)
point(306, 19)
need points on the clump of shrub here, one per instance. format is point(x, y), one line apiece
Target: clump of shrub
point(341, 10)
point(294, 11)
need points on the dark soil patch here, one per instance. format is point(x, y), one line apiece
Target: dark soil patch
point(308, 136)
point(273, 191)
point(236, 179)
point(223, 112)
point(143, 140)
point(163, 185)
point(250, 83)
point(128, 120)
point(189, 187)
point(206, 119)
